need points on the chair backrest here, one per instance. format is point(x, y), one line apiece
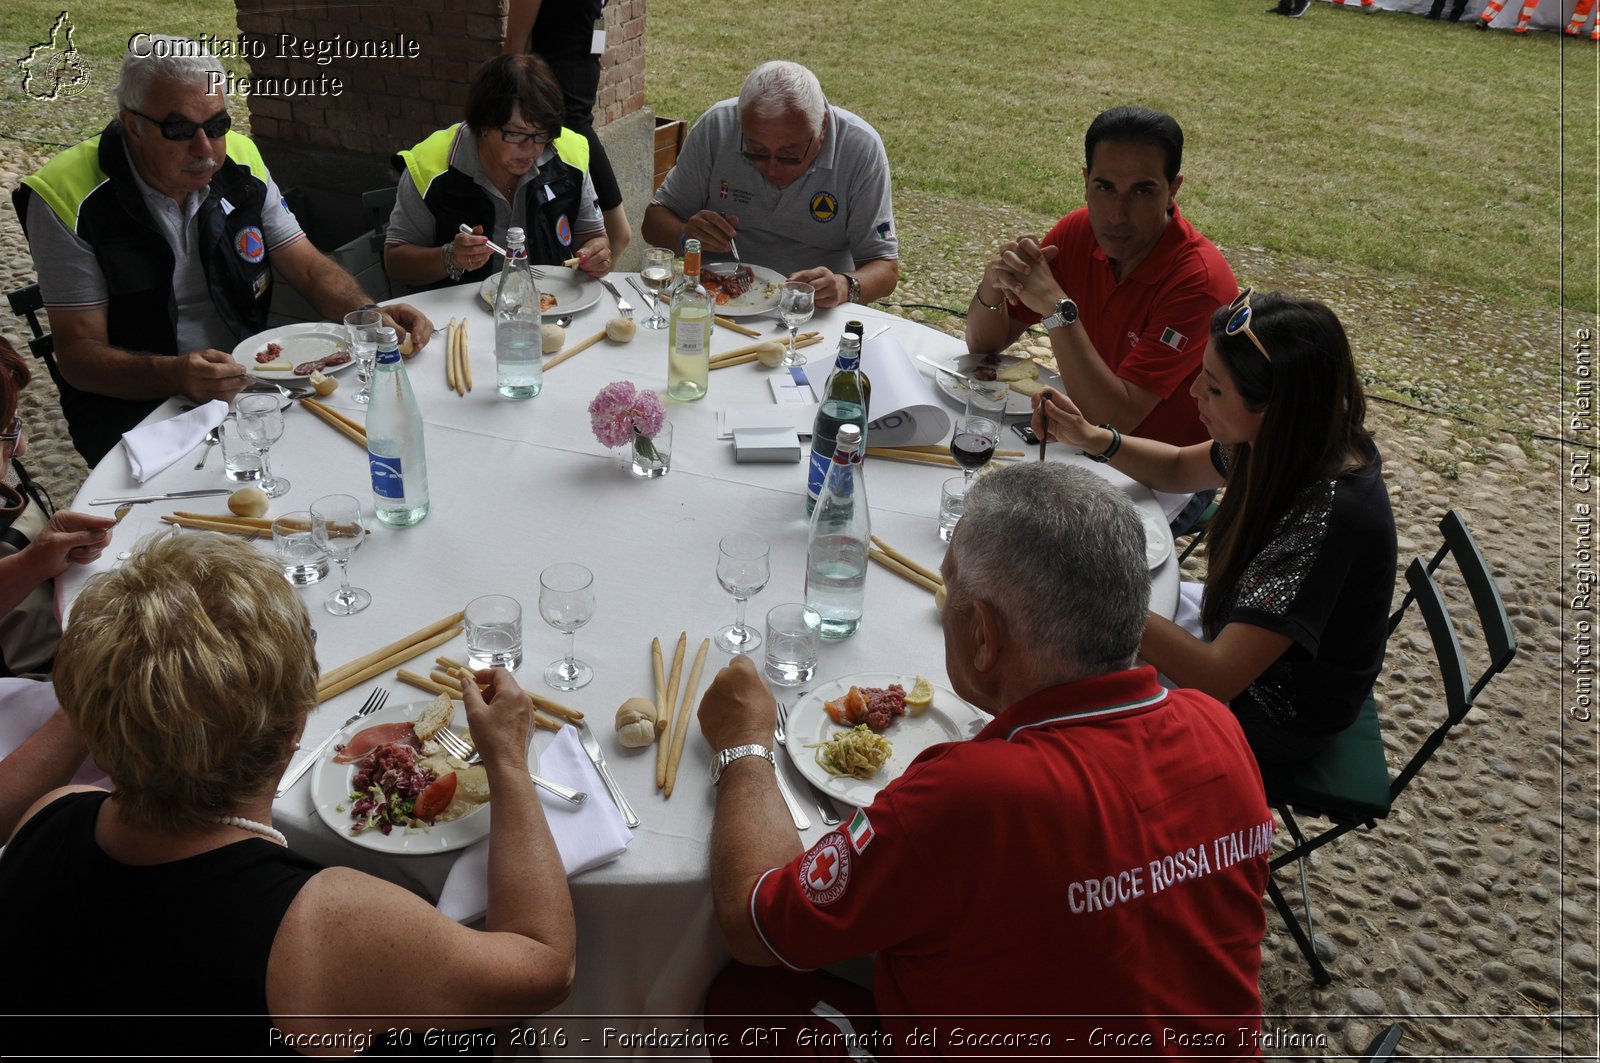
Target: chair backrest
point(379, 204)
point(27, 302)
point(1460, 689)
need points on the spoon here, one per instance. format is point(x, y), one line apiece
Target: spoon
point(118, 513)
point(563, 321)
point(213, 437)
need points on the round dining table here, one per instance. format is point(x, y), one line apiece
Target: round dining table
point(516, 486)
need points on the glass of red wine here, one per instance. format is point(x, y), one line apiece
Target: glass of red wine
point(974, 441)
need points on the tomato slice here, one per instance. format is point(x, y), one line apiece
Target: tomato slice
point(436, 798)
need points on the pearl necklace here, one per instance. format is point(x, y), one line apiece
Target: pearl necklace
point(255, 828)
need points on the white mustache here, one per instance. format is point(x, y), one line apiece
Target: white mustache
point(200, 166)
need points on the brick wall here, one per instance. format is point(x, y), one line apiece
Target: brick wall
point(391, 103)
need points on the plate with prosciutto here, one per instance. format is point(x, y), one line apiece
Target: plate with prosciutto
point(384, 788)
point(295, 351)
point(561, 291)
point(854, 735)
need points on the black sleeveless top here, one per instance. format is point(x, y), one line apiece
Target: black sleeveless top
point(179, 948)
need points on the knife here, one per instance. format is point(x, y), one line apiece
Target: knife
point(159, 498)
point(592, 747)
point(942, 368)
point(623, 306)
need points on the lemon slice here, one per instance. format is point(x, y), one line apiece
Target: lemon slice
point(920, 695)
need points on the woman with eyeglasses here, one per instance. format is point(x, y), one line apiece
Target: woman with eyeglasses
point(509, 165)
point(1301, 554)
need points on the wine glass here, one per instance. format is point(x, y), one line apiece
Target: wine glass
point(973, 443)
point(362, 328)
point(336, 527)
point(260, 420)
point(797, 301)
point(655, 275)
point(566, 601)
point(742, 570)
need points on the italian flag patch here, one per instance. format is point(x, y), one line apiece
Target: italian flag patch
point(861, 833)
point(1174, 339)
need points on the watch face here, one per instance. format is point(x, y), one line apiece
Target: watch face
point(1067, 311)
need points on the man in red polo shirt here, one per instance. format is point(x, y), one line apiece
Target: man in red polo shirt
point(1125, 286)
point(1092, 862)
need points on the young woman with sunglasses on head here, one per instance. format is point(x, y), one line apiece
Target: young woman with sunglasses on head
point(1301, 554)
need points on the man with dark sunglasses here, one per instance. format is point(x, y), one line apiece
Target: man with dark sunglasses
point(802, 186)
point(156, 243)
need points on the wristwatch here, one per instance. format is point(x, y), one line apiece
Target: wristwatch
point(1066, 313)
point(451, 270)
point(854, 284)
point(720, 762)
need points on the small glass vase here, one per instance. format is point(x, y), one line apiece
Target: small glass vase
point(651, 456)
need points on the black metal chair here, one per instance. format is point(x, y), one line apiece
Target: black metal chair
point(1349, 783)
point(28, 302)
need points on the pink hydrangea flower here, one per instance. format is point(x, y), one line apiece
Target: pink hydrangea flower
point(620, 410)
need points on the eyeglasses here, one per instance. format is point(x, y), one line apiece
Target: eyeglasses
point(518, 136)
point(762, 159)
point(12, 435)
point(183, 129)
point(1239, 314)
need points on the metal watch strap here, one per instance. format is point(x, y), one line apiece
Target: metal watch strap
point(720, 762)
point(853, 283)
point(1065, 314)
point(451, 270)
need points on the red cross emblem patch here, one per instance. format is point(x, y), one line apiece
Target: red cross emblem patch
point(825, 869)
point(250, 244)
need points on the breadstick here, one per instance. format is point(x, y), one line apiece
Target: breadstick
point(329, 678)
point(424, 683)
point(464, 370)
point(900, 570)
point(450, 355)
point(671, 700)
point(906, 561)
point(661, 685)
point(576, 348)
point(685, 709)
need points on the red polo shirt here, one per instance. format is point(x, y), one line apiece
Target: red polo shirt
point(1151, 327)
point(1098, 851)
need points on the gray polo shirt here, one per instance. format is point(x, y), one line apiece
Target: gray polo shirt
point(413, 223)
point(70, 277)
point(838, 214)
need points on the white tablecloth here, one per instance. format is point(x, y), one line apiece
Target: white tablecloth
point(517, 486)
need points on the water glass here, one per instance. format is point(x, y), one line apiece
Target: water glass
point(796, 304)
point(260, 420)
point(494, 632)
point(791, 645)
point(988, 398)
point(362, 326)
point(952, 502)
point(336, 527)
point(742, 569)
point(650, 457)
point(241, 461)
point(303, 561)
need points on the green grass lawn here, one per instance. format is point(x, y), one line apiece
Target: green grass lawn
point(1412, 149)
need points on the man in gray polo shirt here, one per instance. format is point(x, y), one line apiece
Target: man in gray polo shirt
point(155, 243)
point(803, 187)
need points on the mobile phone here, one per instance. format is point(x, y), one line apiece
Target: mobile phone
point(1026, 432)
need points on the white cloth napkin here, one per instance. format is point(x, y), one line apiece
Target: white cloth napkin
point(587, 835)
point(153, 447)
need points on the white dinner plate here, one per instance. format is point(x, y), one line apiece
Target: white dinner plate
point(1157, 538)
point(1017, 404)
point(761, 297)
point(303, 342)
point(572, 294)
point(947, 719)
point(330, 794)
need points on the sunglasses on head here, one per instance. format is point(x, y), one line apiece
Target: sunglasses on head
point(183, 129)
point(1239, 314)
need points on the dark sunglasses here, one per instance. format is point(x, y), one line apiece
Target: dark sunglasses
point(761, 158)
point(1239, 314)
point(183, 129)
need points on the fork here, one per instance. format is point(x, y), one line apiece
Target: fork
point(460, 748)
point(824, 806)
point(373, 703)
point(796, 813)
point(624, 307)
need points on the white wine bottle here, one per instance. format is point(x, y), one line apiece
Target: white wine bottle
point(689, 335)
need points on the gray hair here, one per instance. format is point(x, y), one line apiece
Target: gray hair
point(777, 88)
point(163, 57)
point(1060, 554)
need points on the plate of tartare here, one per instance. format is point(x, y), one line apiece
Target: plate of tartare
point(330, 795)
point(273, 354)
point(572, 291)
point(946, 719)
